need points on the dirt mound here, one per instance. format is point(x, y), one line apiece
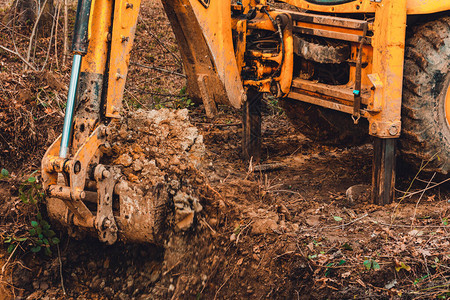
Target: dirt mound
point(159, 153)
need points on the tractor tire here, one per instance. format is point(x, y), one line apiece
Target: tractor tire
point(425, 137)
point(325, 126)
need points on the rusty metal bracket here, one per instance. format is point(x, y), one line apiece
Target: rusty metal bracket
point(78, 171)
point(105, 223)
point(357, 91)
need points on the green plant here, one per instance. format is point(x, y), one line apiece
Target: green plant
point(420, 279)
point(4, 174)
point(371, 264)
point(184, 101)
point(40, 236)
point(331, 265)
point(30, 191)
point(273, 105)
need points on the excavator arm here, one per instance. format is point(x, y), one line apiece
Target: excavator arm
point(80, 189)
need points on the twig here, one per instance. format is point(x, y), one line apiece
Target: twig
point(346, 224)
point(420, 198)
point(56, 33)
point(9, 258)
point(422, 167)
point(428, 188)
point(61, 270)
point(33, 32)
point(65, 33)
point(209, 226)
point(174, 266)
point(240, 231)
point(158, 69)
point(225, 282)
point(20, 56)
point(50, 42)
point(409, 226)
point(135, 98)
point(159, 94)
point(158, 40)
point(284, 191)
point(283, 254)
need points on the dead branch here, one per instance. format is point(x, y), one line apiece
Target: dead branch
point(50, 41)
point(20, 56)
point(158, 69)
point(427, 188)
point(56, 33)
point(65, 32)
point(33, 32)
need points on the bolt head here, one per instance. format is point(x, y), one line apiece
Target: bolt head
point(106, 174)
point(373, 128)
point(393, 129)
point(106, 223)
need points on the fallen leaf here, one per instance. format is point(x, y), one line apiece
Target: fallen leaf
point(337, 219)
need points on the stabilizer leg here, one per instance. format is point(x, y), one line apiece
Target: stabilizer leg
point(251, 121)
point(383, 171)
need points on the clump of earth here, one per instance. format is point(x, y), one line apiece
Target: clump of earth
point(160, 154)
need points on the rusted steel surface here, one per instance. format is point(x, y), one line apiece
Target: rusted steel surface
point(413, 7)
point(105, 223)
point(206, 47)
point(327, 20)
point(388, 57)
point(321, 53)
point(322, 31)
point(124, 27)
point(338, 91)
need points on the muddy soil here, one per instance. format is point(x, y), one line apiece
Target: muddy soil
point(285, 233)
point(284, 230)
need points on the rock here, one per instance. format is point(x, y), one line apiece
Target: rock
point(123, 296)
point(313, 220)
point(106, 263)
point(358, 193)
point(155, 276)
point(213, 222)
point(185, 208)
point(108, 291)
point(35, 285)
point(232, 237)
point(43, 286)
point(171, 288)
point(96, 282)
point(262, 226)
point(124, 160)
point(138, 165)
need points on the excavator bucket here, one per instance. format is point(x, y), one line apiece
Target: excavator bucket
point(109, 174)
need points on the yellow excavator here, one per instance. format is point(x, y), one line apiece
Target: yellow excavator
point(341, 68)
